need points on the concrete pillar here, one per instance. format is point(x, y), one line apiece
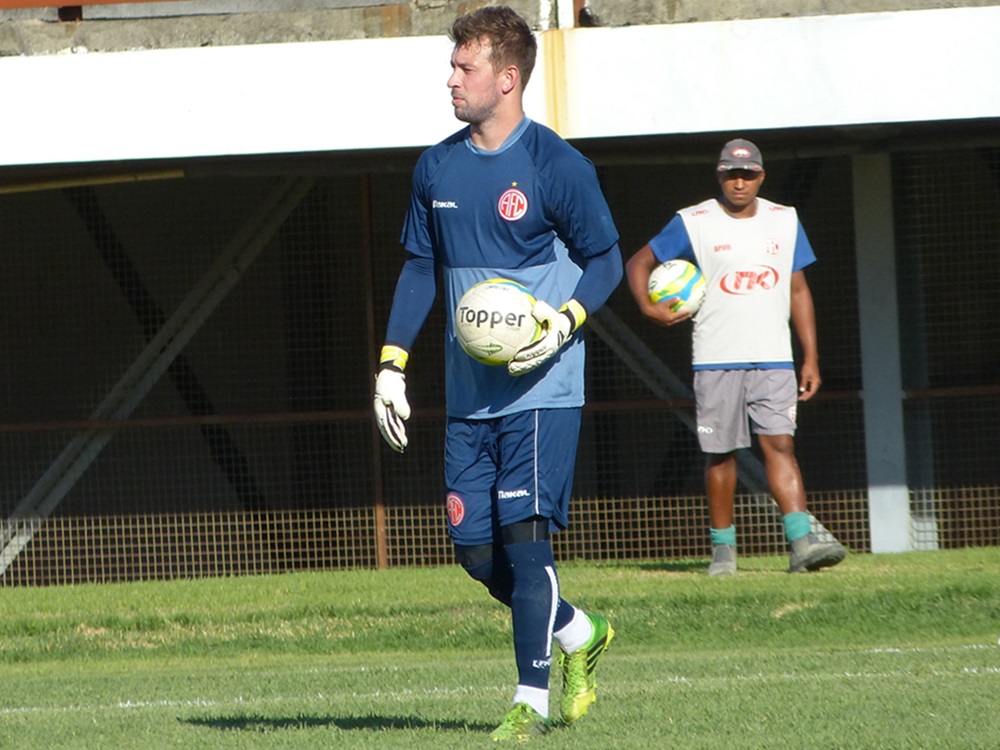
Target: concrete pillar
point(878, 313)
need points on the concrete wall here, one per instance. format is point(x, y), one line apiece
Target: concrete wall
point(201, 23)
point(590, 83)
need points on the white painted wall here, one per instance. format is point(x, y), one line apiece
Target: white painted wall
point(388, 93)
point(786, 72)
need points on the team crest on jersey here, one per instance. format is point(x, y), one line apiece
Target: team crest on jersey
point(771, 247)
point(456, 509)
point(513, 204)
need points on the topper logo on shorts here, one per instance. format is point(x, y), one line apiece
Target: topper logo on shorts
point(456, 509)
point(513, 204)
point(756, 279)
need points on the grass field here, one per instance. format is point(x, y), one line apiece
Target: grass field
point(885, 651)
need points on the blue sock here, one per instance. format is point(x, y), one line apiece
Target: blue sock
point(564, 615)
point(797, 525)
point(533, 608)
point(723, 536)
point(496, 578)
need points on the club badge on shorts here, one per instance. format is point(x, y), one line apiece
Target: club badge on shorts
point(456, 509)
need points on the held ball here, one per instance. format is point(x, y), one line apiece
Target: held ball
point(680, 281)
point(493, 320)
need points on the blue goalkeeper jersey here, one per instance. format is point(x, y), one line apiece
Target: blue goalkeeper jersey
point(531, 211)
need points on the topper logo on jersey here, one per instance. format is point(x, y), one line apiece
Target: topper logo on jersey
point(756, 279)
point(513, 204)
point(456, 509)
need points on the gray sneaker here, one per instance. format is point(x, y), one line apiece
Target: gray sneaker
point(809, 554)
point(723, 560)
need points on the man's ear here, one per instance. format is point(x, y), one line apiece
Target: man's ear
point(510, 79)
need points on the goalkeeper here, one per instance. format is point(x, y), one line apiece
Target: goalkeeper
point(506, 197)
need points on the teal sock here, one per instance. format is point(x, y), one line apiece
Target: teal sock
point(723, 536)
point(797, 525)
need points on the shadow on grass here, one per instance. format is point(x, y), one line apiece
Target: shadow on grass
point(673, 566)
point(747, 565)
point(374, 722)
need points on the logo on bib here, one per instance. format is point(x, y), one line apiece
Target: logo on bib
point(756, 279)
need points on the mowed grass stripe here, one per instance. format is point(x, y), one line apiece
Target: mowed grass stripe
point(892, 652)
point(617, 678)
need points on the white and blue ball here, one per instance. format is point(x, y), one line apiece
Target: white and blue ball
point(493, 320)
point(680, 281)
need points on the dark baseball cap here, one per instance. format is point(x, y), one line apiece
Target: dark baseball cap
point(740, 153)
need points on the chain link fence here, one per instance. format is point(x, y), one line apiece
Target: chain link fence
point(189, 362)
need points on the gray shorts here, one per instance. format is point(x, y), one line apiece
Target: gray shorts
point(731, 404)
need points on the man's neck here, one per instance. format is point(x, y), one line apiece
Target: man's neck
point(492, 134)
point(739, 212)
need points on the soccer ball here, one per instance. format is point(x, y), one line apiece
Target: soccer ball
point(493, 320)
point(680, 280)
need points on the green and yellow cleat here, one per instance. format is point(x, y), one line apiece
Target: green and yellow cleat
point(579, 670)
point(522, 724)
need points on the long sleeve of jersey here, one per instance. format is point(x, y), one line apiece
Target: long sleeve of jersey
point(412, 302)
point(601, 276)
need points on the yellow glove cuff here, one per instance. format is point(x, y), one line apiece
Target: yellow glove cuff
point(394, 356)
point(576, 311)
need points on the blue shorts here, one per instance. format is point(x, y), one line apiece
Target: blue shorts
point(504, 470)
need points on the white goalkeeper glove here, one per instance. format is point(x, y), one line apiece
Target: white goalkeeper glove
point(391, 407)
point(557, 328)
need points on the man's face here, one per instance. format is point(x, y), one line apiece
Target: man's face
point(475, 87)
point(740, 186)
